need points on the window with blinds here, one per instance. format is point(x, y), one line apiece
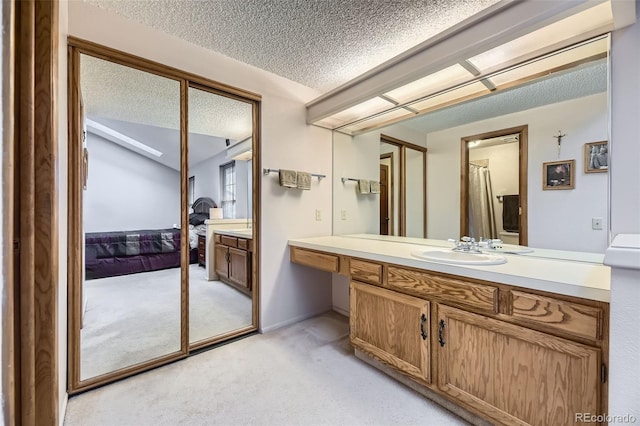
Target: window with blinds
point(228, 189)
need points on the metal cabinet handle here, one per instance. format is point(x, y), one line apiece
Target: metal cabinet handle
point(441, 333)
point(423, 320)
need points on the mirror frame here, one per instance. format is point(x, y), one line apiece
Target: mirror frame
point(76, 47)
point(523, 162)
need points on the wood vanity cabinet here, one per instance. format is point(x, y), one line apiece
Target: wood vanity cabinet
point(232, 261)
point(511, 355)
point(393, 327)
point(512, 374)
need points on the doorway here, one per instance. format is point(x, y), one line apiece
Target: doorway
point(410, 204)
point(493, 203)
point(386, 194)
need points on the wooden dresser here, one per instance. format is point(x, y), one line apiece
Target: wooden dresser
point(202, 250)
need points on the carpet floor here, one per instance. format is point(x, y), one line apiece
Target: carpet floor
point(303, 374)
point(134, 318)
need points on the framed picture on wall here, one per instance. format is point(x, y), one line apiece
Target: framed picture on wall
point(596, 157)
point(558, 174)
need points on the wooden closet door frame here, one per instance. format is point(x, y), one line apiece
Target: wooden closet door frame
point(30, 331)
point(76, 47)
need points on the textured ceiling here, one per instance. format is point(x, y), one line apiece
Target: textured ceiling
point(117, 92)
point(319, 43)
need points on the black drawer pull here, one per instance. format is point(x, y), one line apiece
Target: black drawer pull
point(441, 333)
point(423, 320)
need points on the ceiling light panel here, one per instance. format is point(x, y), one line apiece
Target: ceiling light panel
point(364, 109)
point(557, 62)
point(432, 83)
point(575, 25)
point(379, 120)
point(451, 97)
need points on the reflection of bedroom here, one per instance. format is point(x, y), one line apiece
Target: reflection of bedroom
point(131, 219)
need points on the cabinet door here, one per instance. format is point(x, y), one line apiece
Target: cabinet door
point(238, 267)
point(220, 260)
point(513, 374)
point(393, 327)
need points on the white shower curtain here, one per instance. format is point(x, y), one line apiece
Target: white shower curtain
point(482, 222)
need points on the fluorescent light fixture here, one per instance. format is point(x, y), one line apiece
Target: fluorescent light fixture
point(450, 97)
point(565, 29)
point(119, 138)
point(552, 63)
point(432, 83)
point(364, 109)
point(517, 60)
point(377, 120)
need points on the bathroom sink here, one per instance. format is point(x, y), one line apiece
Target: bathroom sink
point(460, 258)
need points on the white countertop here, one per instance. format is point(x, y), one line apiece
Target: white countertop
point(624, 252)
point(566, 277)
point(242, 233)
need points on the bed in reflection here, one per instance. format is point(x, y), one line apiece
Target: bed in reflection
point(114, 253)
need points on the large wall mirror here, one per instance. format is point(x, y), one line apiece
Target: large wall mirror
point(162, 166)
point(560, 109)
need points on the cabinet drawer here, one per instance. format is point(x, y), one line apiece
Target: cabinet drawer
point(243, 244)
point(579, 320)
point(365, 271)
point(446, 289)
point(229, 241)
point(324, 261)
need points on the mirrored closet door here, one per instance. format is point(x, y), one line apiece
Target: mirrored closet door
point(130, 214)
point(162, 256)
point(220, 216)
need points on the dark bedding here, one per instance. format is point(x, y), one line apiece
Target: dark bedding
point(128, 252)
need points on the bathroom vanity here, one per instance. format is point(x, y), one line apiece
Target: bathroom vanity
point(524, 342)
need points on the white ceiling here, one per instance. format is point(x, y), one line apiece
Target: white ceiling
point(319, 43)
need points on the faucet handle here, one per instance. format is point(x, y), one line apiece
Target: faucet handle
point(466, 239)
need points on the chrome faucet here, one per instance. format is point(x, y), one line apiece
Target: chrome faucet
point(466, 244)
point(490, 243)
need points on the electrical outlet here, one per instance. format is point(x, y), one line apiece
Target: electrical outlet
point(343, 214)
point(318, 214)
point(596, 223)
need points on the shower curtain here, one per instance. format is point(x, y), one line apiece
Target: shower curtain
point(482, 222)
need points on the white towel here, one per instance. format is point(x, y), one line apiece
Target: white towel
point(288, 178)
point(364, 187)
point(304, 180)
point(375, 186)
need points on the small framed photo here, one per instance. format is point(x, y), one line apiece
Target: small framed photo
point(596, 157)
point(558, 174)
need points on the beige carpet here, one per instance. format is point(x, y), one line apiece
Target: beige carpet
point(134, 318)
point(304, 374)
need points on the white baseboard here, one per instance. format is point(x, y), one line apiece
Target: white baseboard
point(340, 311)
point(292, 321)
